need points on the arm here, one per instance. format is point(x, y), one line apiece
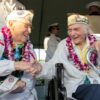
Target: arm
point(6, 66)
point(48, 68)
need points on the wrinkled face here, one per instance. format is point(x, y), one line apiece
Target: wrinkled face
point(20, 31)
point(77, 34)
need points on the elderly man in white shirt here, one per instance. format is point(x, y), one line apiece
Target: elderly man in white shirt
point(17, 58)
point(72, 53)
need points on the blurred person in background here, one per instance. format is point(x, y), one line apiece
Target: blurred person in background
point(93, 14)
point(51, 41)
point(93, 8)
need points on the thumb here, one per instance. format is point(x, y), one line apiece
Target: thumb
point(32, 61)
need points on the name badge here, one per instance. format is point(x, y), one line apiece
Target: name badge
point(8, 84)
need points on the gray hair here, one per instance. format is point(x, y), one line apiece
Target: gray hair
point(87, 29)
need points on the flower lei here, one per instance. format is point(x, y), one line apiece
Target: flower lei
point(27, 54)
point(74, 56)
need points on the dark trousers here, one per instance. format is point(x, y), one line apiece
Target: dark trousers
point(87, 92)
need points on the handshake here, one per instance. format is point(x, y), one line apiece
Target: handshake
point(18, 86)
point(32, 68)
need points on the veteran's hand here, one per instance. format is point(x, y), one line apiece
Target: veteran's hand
point(22, 66)
point(19, 87)
point(32, 68)
point(35, 69)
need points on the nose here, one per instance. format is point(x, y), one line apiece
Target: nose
point(72, 33)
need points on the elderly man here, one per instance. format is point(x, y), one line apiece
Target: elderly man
point(72, 53)
point(17, 57)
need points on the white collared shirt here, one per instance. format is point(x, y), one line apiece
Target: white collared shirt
point(72, 76)
point(51, 46)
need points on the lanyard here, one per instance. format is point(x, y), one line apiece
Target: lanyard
point(83, 53)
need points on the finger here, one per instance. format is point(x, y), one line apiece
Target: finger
point(33, 62)
point(34, 72)
point(29, 70)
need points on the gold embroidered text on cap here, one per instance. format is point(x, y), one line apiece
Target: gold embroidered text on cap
point(76, 18)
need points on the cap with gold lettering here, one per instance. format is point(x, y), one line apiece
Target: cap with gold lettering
point(76, 18)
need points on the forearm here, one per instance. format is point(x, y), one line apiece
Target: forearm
point(47, 72)
point(6, 67)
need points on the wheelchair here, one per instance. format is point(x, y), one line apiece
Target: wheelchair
point(56, 89)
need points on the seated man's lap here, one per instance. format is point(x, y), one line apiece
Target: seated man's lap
point(87, 92)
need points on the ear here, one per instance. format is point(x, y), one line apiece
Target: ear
point(10, 23)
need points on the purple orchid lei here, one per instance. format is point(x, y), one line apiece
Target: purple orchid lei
point(9, 46)
point(78, 64)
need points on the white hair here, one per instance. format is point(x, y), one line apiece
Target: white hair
point(87, 29)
